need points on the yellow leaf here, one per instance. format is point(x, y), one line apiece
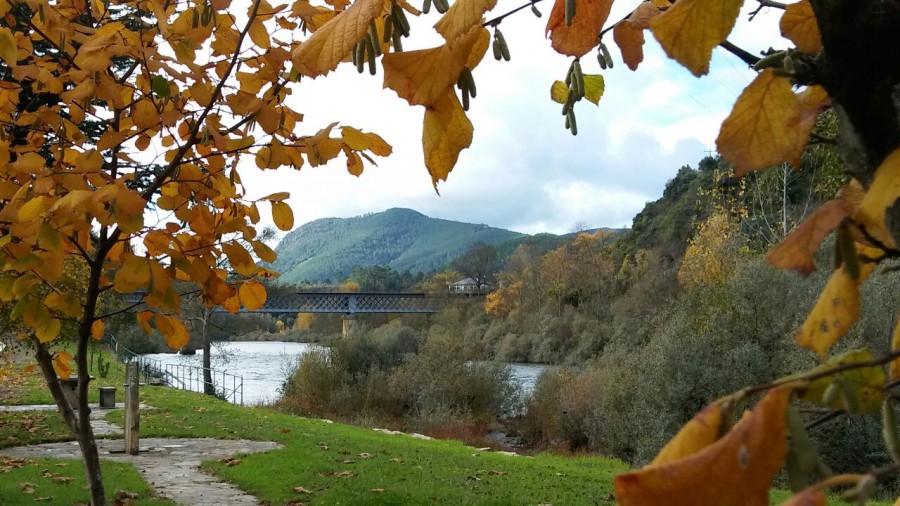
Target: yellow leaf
point(735, 470)
point(378, 146)
point(97, 329)
point(584, 32)
point(173, 331)
point(144, 114)
point(446, 132)
point(689, 30)
point(354, 164)
point(865, 382)
point(65, 302)
point(799, 25)
point(355, 139)
point(559, 92)
point(9, 51)
point(240, 260)
point(462, 16)
point(61, 361)
point(882, 194)
point(283, 216)
point(259, 35)
point(331, 43)
point(762, 129)
point(32, 209)
point(630, 40)
point(593, 88)
point(263, 251)
point(134, 274)
point(834, 312)
point(252, 294)
point(423, 77)
point(703, 430)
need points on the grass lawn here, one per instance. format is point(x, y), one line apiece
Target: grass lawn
point(61, 482)
point(321, 462)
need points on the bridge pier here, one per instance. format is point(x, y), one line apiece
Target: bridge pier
point(349, 327)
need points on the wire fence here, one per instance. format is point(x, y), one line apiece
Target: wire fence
point(226, 386)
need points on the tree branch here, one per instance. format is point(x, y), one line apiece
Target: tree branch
point(743, 54)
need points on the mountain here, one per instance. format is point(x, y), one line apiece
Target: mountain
point(328, 249)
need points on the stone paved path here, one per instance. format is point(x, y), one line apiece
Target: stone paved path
point(171, 466)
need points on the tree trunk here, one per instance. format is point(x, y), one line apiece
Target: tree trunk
point(79, 423)
point(209, 388)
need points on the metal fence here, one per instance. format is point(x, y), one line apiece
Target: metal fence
point(226, 386)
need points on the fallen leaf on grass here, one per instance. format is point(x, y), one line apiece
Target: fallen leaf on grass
point(301, 490)
point(42, 499)
point(378, 490)
point(348, 461)
point(124, 494)
point(62, 479)
point(365, 455)
point(397, 459)
point(295, 502)
point(230, 461)
point(27, 488)
point(345, 474)
point(494, 472)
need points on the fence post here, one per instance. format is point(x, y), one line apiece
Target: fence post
point(132, 404)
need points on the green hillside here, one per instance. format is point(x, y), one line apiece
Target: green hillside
point(403, 239)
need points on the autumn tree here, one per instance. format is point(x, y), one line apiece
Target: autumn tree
point(479, 262)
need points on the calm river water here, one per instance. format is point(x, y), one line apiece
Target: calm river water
point(265, 365)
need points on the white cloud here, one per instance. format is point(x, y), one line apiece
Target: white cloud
point(524, 170)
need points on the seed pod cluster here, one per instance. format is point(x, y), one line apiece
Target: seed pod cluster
point(575, 82)
point(367, 50)
point(441, 6)
point(535, 10)
point(396, 26)
point(603, 57)
point(466, 85)
point(501, 49)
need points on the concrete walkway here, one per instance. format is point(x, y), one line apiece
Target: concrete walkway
point(171, 466)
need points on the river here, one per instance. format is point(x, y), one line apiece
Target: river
point(264, 366)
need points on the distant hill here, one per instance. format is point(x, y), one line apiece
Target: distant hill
point(328, 249)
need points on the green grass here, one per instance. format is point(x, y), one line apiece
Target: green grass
point(61, 482)
point(333, 463)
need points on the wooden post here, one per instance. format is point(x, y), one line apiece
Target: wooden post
point(132, 403)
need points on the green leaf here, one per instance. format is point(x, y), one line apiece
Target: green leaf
point(160, 86)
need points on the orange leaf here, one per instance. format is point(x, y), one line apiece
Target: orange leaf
point(584, 32)
point(810, 496)
point(283, 216)
point(883, 193)
point(763, 129)
point(240, 260)
point(446, 132)
point(97, 329)
point(423, 77)
point(462, 16)
point(331, 43)
point(630, 40)
point(834, 312)
point(143, 319)
point(61, 361)
point(796, 251)
point(799, 25)
point(252, 294)
point(735, 470)
point(173, 330)
point(641, 16)
point(689, 30)
point(702, 431)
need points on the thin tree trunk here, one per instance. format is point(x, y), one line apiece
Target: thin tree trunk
point(79, 423)
point(209, 388)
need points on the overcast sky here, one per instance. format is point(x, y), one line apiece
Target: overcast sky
point(524, 170)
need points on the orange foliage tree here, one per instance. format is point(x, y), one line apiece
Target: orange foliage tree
point(91, 92)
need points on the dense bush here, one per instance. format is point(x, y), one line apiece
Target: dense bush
point(396, 375)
